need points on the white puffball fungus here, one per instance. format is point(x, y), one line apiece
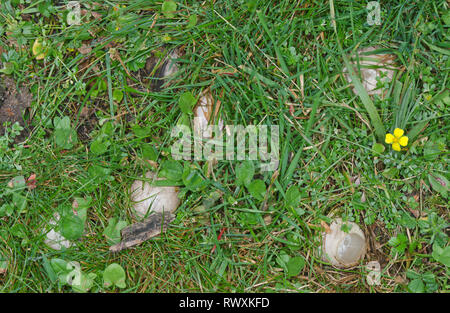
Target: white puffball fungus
point(343, 249)
point(54, 239)
point(372, 66)
point(146, 198)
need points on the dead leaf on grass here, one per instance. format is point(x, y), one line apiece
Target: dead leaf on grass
point(13, 103)
point(137, 233)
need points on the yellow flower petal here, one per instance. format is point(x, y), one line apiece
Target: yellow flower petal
point(389, 138)
point(398, 132)
point(403, 141)
point(396, 146)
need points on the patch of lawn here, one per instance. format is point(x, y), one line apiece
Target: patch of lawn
point(102, 113)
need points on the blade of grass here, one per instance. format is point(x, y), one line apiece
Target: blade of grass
point(108, 75)
point(294, 162)
point(360, 90)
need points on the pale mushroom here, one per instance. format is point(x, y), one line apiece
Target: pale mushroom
point(372, 66)
point(343, 249)
point(205, 110)
point(54, 239)
point(166, 67)
point(146, 198)
point(171, 66)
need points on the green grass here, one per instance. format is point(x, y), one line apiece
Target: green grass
point(327, 154)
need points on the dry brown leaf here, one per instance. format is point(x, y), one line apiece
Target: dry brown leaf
point(85, 49)
point(325, 226)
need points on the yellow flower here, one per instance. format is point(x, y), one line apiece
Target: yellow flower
point(397, 139)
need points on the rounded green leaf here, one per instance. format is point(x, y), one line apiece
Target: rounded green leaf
point(171, 170)
point(378, 148)
point(244, 173)
point(114, 274)
point(416, 285)
point(293, 196)
point(295, 266)
point(187, 102)
point(192, 179)
point(112, 231)
point(72, 227)
point(192, 21)
point(117, 95)
point(257, 189)
point(168, 7)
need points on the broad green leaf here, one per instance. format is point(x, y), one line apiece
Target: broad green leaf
point(172, 170)
point(117, 95)
point(441, 255)
point(390, 173)
point(16, 184)
point(168, 8)
point(295, 266)
point(192, 179)
point(65, 138)
point(114, 274)
point(71, 227)
point(98, 174)
point(244, 173)
point(293, 196)
point(112, 231)
point(100, 146)
point(61, 269)
point(431, 151)
point(378, 148)
point(19, 230)
point(187, 102)
point(149, 152)
point(6, 210)
point(416, 286)
point(140, 131)
point(257, 189)
point(85, 284)
point(19, 202)
point(439, 184)
point(283, 259)
point(192, 21)
point(47, 267)
point(248, 218)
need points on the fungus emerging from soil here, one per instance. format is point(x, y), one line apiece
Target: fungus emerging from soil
point(372, 66)
point(204, 111)
point(146, 198)
point(343, 249)
point(169, 66)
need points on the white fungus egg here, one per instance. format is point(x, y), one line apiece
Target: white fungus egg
point(373, 66)
point(54, 239)
point(146, 198)
point(343, 249)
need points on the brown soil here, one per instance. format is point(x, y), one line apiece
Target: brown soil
point(13, 105)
